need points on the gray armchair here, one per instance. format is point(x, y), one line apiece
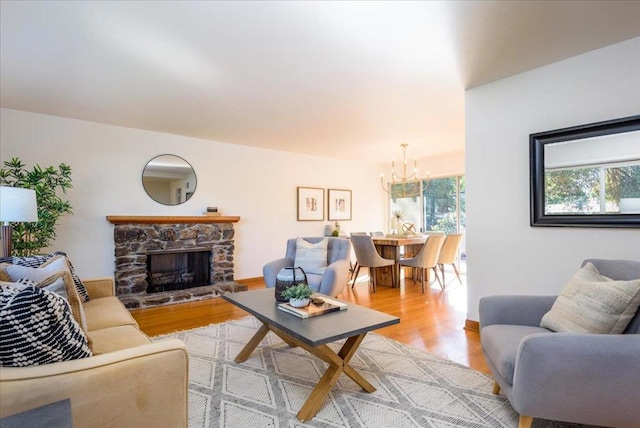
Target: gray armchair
point(580, 378)
point(335, 277)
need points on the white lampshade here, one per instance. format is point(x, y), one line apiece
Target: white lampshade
point(18, 204)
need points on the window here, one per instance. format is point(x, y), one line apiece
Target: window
point(430, 205)
point(591, 189)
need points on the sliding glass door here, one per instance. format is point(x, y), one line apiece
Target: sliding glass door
point(429, 205)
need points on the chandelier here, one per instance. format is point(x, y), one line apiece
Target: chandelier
point(405, 186)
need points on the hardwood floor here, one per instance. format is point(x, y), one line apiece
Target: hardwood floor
point(433, 321)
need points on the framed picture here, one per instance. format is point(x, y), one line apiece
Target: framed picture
point(310, 204)
point(339, 204)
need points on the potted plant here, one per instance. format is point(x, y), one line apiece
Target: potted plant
point(336, 231)
point(298, 295)
point(30, 238)
point(396, 221)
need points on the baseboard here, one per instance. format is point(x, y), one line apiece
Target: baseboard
point(472, 325)
point(251, 281)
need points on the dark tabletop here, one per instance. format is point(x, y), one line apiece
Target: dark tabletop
point(54, 415)
point(313, 331)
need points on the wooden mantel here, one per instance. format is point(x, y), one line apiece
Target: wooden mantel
point(171, 219)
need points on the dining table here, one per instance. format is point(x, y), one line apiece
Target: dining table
point(390, 247)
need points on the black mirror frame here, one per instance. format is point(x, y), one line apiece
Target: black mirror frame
point(537, 143)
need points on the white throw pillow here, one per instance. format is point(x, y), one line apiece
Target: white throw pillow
point(43, 259)
point(592, 303)
point(312, 258)
point(39, 274)
point(54, 276)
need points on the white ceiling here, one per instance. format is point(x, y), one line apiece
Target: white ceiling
point(334, 79)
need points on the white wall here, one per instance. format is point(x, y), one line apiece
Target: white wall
point(160, 191)
point(505, 254)
point(257, 185)
point(445, 165)
point(593, 151)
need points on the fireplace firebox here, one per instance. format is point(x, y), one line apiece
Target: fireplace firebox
point(177, 269)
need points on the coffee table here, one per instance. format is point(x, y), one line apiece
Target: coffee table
point(313, 335)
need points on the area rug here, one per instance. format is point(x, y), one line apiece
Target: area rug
point(414, 388)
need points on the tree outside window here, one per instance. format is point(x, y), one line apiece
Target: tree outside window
point(590, 190)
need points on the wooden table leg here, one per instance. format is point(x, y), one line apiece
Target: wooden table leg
point(316, 399)
point(386, 275)
point(346, 352)
point(285, 337)
point(396, 267)
point(253, 343)
point(338, 364)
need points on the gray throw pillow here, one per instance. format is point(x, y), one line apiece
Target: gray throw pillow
point(592, 303)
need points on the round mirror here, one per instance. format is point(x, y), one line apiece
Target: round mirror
point(169, 179)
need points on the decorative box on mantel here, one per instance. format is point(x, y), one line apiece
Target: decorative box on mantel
point(162, 260)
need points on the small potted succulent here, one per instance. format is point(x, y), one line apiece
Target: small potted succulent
point(298, 295)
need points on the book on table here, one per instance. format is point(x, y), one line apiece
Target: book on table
point(312, 310)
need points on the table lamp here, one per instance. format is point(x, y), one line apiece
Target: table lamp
point(16, 205)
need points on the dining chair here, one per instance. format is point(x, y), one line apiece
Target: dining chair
point(449, 255)
point(377, 234)
point(427, 258)
point(367, 256)
point(353, 266)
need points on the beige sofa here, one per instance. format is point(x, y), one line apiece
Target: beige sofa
point(130, 381)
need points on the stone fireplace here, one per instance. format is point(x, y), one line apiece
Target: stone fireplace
point(171, 259)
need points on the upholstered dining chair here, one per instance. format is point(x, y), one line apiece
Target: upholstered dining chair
point(449, 255)
point(377, 234)
point(367, 256)
point(353, 266)
point(333, 278)
point(427, 258)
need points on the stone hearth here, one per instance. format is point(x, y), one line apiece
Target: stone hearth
point(135, 236)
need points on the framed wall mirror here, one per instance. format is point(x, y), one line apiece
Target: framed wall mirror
point(586, 176)
point(169, 179)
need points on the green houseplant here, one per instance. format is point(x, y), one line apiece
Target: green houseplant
point(30, 238)
point(298, 295)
